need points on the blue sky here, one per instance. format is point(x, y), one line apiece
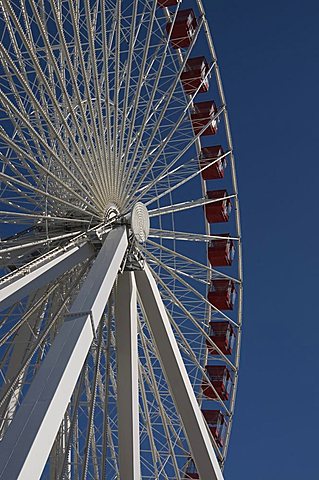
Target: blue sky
point(268, 53)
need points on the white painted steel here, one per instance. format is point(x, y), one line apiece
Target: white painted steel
point(25, 338)
point(188, 236)
point(96, 119)
point(29, 439)
point(187, 179)
point(220, 88)
point(45, 241)
point(195, 322)
point(140, 222)
point(177, 377)
point(194, 262)
point(12, 292)
point(131, 174)
point(174, 273)
point(127, 377)
point(187, 205)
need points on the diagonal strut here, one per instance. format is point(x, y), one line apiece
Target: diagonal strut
point(28, 441)
point(177, 377)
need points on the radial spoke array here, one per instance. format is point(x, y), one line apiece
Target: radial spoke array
point(103, 105)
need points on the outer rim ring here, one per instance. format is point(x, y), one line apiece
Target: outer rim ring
point(237, 212)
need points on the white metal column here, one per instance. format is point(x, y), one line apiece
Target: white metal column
point(127, 377)
point(29, 439)
point(177, 377)
point(34, 277)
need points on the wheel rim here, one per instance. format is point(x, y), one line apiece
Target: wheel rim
point(88, 132)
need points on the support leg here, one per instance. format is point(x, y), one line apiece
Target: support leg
point(22, 342)
point(11, 291)
point(28, 441)
point(177, 377)
point(127, 377)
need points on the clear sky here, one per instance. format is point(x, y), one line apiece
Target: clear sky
point(268, 54)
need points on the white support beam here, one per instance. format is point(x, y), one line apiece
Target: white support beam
point(177, 377)
point(36, 276)
point(127, 377)
point(23, 342)
point(28, 441)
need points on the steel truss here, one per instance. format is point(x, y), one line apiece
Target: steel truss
point(31, 434)
point(106, 330)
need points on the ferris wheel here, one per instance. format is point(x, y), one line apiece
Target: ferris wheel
point(120, 260)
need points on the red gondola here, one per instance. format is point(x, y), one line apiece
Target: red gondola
point(222, 294)
point(193, 76)
point(167, 3)
point(211, 155)
point(217, 424)
point(219, 210)
point(221, 252)
point(203, 115)
point(223, 336)
point(184, 28)
point(219, 376)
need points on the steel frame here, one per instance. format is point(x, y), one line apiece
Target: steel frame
point(127, 377)
point(95, 179)
point(16, 289)
point(29, 438)
point(177, 377)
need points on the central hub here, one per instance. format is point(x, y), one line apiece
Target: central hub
point(140, 222)
point(111, 213)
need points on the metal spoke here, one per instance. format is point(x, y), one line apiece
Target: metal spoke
point(76, 334)
point(160, 405)
point(172, 272)
point(106, 330)
point(167, 100)
point(151, 99)
point(187, 236)
point(92, 394)
point(186, 205)
point(166, 142)
point(138, 90)
point(185, 180)
point(211, 270)
point(195, 322)
point(177, 377)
